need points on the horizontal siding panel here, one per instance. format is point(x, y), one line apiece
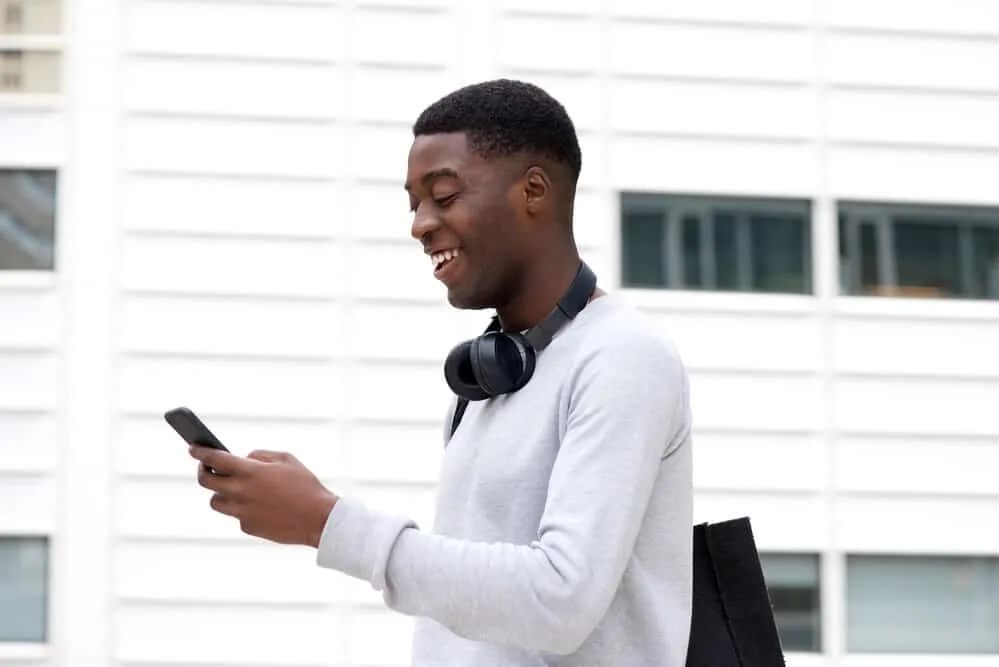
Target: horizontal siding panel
point(576, 50)
point(780, 522)
point(430, 331)
point(380, 153)
point(756, 401)
point(707, 51)
point(221, 573)
point(912, 61)
point(278, 389)
point(765, 342)
point(234, 147)
point(400, 37)
point(396, 392)
point(963, 526)
point(877, 345)
point(213, 87)
point(912, 118)
point(954, 16)
point(595, 218)
point(751, 461)
point(32, 138)
point(237, 267)
point(396, 95)
point(944, 176)
point(28, 441)
point(380, 211)
point(687, 164)
point(910, 405)
point(235, 29)
point(171, 509)
point(412, 277)
point(35, 499)
point(400, 453)
point(701, 108)
point(29, 380)
point(147, 447)
point(724, 11)
point(216, 326)
point(236, 206)
point(379, 638)
point(931, 465)
point(30, 319)
point(223, 635)
point(550, 7)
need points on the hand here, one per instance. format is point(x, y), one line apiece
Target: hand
point(272, 494)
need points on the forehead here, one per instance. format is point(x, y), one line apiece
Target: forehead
point(437, 154)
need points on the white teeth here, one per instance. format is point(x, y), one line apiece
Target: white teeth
point(439, 258)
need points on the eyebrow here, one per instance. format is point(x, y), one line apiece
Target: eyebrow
point(431, 176)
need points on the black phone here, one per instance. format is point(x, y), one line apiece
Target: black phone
point(192, 429)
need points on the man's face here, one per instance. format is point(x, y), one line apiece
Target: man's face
point(466, 217)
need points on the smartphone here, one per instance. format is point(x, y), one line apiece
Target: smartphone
point(192, 429)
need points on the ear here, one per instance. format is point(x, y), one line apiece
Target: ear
point(537, 189)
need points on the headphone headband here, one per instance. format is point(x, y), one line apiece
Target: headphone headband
point(570, 305)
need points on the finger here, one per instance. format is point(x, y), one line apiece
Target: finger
point(212, 481)
point(223, 504)
point(269, 456)
point(221, 462)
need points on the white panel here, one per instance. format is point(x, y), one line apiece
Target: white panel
point(594, 175)
point(243, 387)
point(397, 453)
point(385, 94)
point(735, 167)
point(391, 392)
point(914, 118)
point(223, 327)
point(147, 446)
point(379, 638)
point(29, 503)
point(912, 175)
point(775, 461)
point(255, 88)
point(919, 61)
point(927, 526)
point(414, 502)
point(381, 153)
point(404, 37)
point(232, 266)
point(206, 572)
point(594, 215)
point(756, 401)
point(406, 331)
point(381, 211)
point(916, 405)
point(28, 441)
point(31, 138)
point(550, 6)
point(917, 465)
point(771, 11)
point(792, 522)
point(764, 342)
point(226, 635)
point(233, 147)
point(29, 318)
point(574, 50)
point(956, 16)
point(708, 51)
point(171, 509)
point(411, 275)
point(258, 207)
point(916, 346)
point(579, 94)
point(28, 380)
point(249, 30)
point(701, 108)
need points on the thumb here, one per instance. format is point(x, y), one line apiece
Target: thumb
point(268, 456)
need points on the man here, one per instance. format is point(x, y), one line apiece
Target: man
point(563, 527)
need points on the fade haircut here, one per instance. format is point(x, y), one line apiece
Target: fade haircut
point(502, 117)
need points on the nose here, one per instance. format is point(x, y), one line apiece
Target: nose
point(424, 223)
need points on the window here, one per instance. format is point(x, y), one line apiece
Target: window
point(30, 55)
point(23, 589)
point(702, 243)
point(27, 220)
point(906, 604)
point(30, 17)
point(919, 251)
point(793, 583)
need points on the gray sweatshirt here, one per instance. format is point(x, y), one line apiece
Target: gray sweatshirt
point(563, 527)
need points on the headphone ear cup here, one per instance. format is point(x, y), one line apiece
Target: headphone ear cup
point(502, 362)
point(460, 375)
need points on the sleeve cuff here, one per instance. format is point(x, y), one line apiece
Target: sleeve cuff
point(358, 541)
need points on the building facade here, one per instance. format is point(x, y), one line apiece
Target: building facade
point(201, 204)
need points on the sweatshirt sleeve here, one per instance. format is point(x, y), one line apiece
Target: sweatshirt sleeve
point(627, 405)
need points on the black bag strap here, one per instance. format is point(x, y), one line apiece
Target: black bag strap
point(459, 412)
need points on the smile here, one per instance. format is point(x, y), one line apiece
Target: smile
point(442, 261)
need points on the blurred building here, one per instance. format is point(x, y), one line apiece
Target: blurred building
point(201, 204)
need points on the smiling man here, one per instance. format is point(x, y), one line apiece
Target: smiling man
point(563, 526)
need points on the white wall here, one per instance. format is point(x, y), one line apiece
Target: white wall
point(234, 237)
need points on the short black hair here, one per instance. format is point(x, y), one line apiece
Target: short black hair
point(504, 116)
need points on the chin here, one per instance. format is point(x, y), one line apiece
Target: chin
point(463, 301)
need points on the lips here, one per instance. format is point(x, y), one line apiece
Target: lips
point(444, 262)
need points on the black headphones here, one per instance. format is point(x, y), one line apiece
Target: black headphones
point(502, 362)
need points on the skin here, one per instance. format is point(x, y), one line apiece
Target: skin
point(511, 217)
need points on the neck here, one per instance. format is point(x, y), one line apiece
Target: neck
point(541, 287)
